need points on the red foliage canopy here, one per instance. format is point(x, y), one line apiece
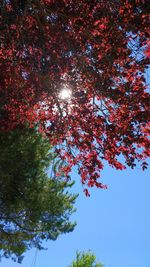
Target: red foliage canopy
point(96, 49)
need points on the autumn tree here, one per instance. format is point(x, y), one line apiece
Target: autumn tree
point(34, 206)
point(97, 51)
point(85, 259)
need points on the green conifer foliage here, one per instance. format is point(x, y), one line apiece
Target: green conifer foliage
point(33, 206)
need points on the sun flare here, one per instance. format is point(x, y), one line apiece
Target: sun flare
point(65, 94)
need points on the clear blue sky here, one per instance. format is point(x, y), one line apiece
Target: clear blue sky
point(113, 223)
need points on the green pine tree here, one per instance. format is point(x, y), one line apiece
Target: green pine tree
point(85, 259)
point(33, 206)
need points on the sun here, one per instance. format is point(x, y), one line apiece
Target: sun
point(65, 94)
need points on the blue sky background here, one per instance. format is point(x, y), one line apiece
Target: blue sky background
point(113, 223)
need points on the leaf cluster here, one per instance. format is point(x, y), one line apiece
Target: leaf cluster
point(99, 51)
point(85, 259)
